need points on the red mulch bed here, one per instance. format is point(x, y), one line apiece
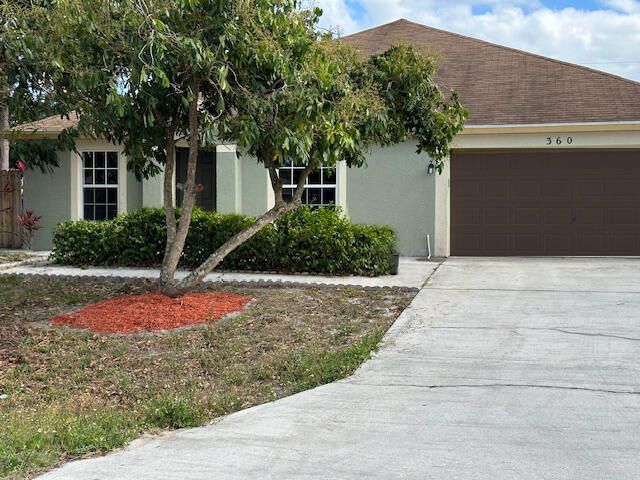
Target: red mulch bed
point(152, 311)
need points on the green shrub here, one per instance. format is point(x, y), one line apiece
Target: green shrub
point(316, 240)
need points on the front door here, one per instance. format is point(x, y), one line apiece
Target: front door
point(205, 176)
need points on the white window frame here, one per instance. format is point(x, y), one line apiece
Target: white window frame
point(321, 186)
point(106, 186)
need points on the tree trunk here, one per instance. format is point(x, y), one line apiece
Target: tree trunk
point(176, 238)
point(166, 273)
point(280, 208)
point(4, 125)
point(197, 275)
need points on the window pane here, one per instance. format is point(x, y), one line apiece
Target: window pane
point(112, 211)
point(88, 159)
point(100, 159)
point(314, 178)
point(329, 176)
point(112, 160)
point(328, 196)
point(112, 177)
point(88, 177)
point(296, 176)
point(287, 194)
point(88, 212)
point(100, 177)
point(101, 195)
point(314, 196)
point(285, 176)
point(112, 195)
point(101, 212)
point(88, 195)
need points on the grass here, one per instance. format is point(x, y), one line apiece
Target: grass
point(72, 393)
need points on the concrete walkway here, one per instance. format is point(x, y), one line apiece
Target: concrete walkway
point(412, 273)
point(500, 369)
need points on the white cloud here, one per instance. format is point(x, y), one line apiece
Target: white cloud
point(628, 6)
point(604, 39)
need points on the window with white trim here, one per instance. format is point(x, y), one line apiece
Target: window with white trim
point(319, 189)
point(100, 185)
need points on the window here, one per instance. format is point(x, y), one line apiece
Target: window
point(100, 185)
point(319, 189)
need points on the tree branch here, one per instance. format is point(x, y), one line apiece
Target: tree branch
point(281, 207)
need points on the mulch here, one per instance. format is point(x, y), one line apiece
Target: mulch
point(152, 312)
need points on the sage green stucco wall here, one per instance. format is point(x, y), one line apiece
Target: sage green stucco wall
point(255, 187)
point(228, 181)
point(153, 191)
point(395, 189)
point(134, 192)
point(241, 184)
point(49, 195)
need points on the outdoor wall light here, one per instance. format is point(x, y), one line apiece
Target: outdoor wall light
point(431, 168)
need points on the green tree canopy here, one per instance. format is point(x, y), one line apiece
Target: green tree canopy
point(256, 73)
point(25, 83)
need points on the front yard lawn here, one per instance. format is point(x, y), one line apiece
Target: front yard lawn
point(10, 257)
point(69, 393)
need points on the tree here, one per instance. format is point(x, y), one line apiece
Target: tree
point(25, 86)
point(253, 72)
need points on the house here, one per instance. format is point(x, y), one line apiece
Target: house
point(548, 164)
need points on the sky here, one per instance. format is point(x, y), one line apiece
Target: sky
point(601, 34)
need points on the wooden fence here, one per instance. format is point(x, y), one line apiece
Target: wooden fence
point(10, 208)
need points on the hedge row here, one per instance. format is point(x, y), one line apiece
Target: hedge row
point(305, 240)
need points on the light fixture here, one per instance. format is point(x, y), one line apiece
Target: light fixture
point(431, 168)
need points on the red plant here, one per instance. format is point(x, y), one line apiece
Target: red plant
point(30, 223)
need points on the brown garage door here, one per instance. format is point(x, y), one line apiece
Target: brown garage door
point(545, 203)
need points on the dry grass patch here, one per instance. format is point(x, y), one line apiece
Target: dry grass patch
point(11, 257)
point(72, 393)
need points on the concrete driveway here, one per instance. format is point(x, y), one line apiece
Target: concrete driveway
point(500, 369)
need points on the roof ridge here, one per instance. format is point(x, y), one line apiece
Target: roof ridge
point(496, 45)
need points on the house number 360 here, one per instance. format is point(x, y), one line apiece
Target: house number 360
point(559, 140)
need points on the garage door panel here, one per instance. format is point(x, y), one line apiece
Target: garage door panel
point(557, 189)
point(469, 189)
point(496, 189)
point(587, 163)
point(469, 244)
point(623, 216)
point(559, 243)
point(497, 216)
point(527, 243)
point(590, 216)
point(497, 242)
point(546, 203)
point(590, 187)
point(503, 163)
point(468, 216)
point(623, 188)
point(591, 243)
point(528, 189)
point(528, 216)
point(623, 244)
point(558, 215)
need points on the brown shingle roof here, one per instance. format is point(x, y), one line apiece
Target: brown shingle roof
point(50, 125)
point(504, 86)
